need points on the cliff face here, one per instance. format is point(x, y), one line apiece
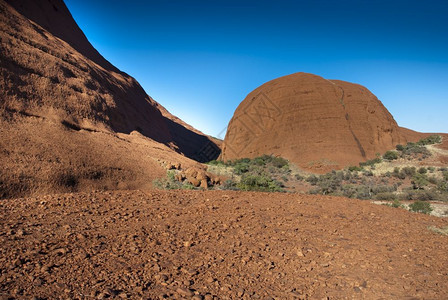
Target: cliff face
point(316, 123)
point(55, 88)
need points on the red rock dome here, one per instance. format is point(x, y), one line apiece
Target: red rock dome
point(316, 123)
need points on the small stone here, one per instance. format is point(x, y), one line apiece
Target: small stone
point(18, 262)
point(38, 282)
point(185, 292)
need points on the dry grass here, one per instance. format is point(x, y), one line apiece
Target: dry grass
point(442, 230)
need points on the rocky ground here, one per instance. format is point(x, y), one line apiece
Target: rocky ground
point(217, 245)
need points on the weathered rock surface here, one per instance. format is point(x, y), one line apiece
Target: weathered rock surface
point(63, 108)
point(314, 122)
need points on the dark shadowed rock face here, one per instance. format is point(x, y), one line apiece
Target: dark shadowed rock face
point(49, 68)
point(316, 123)
point(60, 97)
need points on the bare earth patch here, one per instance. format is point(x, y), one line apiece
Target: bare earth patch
point(222, 244)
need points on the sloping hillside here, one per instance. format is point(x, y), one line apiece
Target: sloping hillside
point(63, 108)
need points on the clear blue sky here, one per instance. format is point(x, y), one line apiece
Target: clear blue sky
point(200, 59)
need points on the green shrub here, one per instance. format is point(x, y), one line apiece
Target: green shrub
point(279, 162)
point(355, 169)
point(422, 170)
point(377, 189)
point(312, 179)
point(433, 139)
point(390, 155)
point(367, 173)
point(169, 182)
point(216, 163)
point(252, 182)
point(445, 175)
point(386, 196)
point(358, 191)
point(421, 207)
point(188, 186)
point(419, 181)
point(415, 148)
point(433, 180)
point(442, 186)
point(299, 177)
point(370, 162)
point(241, 167)
point(408, 171)
point(397, 204)
point(421, 195)
point(399, 147)
point(229, 184)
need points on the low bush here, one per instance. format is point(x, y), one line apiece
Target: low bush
point(279, 162)
point(299, 177)
point(433, 139)
point(386, 196)
point(395, 204)
point(390, 155)
point(408, 171)
point(355, 169)
point(445, 175)
point(420, 195)
point(169, 182)
point(312, 179)
point(253, 182)
point(421, 207)
point(216, 163)
point(229, 184)
point(241, 167)
point(378, 189)
point(370, 162)
point(414, 148)
point(358, 191)
point(419, 181)
point(422, 170)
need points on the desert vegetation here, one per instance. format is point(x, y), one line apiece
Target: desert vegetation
point(269, 173)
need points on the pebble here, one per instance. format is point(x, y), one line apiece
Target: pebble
point(185, 292)
point(38, 282)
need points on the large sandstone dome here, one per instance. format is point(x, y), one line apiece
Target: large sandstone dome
point(318, 124)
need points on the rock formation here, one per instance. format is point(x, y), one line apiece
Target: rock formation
point(67, 115)
point(318, 124)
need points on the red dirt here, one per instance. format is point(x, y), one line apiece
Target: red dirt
point(69, 120)
point(316, 123)
point(232, 245)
